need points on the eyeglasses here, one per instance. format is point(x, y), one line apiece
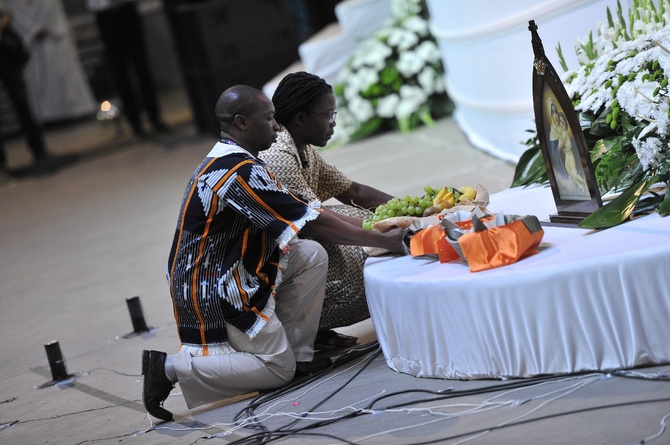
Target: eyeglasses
point(331, 116)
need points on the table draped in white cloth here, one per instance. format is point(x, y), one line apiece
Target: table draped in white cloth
point(587, 301)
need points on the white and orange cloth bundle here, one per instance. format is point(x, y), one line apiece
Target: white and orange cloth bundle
point(469, 233)
point(482, 241)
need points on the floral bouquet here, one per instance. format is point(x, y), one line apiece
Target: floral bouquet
point(394, 80)
point(620, 91)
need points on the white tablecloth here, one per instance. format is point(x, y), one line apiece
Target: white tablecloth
point(586, 301)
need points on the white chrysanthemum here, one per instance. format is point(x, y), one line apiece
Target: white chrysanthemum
point(350, 93)
point(429, 80)
point(661, 118)
point(591, 88)
point(649, 151)
point(361, 109)
point(428, 51)
point(368, 76)
point(642, 28)
point(384, 31)
point(344, 75)
point(360, 81)
point(664, 60)
point(636, 98)
point(403, 8)
point(402, 39)
point(346, 124)
point(411, 99)
point(607, 35)
point(631, 58)
point(409, 63)
point(387, 105)
point(416, 24)
point(372, 53)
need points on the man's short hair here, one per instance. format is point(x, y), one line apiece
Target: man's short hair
point(238, 99)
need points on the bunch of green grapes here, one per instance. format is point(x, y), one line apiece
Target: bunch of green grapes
point(406, 206)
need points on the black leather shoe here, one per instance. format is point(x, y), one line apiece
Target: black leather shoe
point(305, 369)
point(157, 386)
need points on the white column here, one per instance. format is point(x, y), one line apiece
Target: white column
point(488, 59)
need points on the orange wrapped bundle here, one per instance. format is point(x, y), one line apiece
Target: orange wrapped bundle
point(495, 242)
point(425, 241)
point(433, 241)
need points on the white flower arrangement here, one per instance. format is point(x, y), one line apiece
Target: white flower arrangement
point(620, 90)
point(395, 79)
point(629, 77)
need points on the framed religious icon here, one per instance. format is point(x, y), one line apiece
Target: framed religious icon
point(566, 155)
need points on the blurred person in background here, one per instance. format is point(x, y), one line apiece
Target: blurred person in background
point(121, 30)
point(58, 89)
point(13, 57)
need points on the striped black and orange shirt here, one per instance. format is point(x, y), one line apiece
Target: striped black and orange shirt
point(224, 261)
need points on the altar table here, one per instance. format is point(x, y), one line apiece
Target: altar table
point(586, 301)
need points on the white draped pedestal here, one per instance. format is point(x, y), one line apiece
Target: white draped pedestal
point(587, 301)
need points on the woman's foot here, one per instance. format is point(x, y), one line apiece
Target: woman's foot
point(327, 340)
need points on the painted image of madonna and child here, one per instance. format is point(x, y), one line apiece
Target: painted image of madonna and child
point(563, 154)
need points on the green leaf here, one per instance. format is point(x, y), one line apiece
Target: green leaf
point(615, 165)
point(664, 208)
point(530, 169)
point(405, 124)
point(561, 59)
point(619, 209)
point(367, 128)
point(425, 117)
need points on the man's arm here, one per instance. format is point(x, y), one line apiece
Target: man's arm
point(331, 228)
point(348, 219)
point(363, 195)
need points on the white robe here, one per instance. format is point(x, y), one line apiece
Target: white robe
point(58, 89)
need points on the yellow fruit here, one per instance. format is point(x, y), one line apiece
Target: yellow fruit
point(467, 192)
point(442, 194)
point(439, 195)
point(445, 204)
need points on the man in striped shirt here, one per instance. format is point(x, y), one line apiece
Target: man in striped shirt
point(246, 291)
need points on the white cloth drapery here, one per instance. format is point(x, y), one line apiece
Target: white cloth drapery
point(586, 301)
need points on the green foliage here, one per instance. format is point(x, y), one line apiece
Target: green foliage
point(619, 209)
point(531, 168)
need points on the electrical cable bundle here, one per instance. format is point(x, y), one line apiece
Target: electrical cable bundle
point(263, 435)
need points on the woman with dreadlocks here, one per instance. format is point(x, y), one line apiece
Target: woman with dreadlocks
point(305, 110)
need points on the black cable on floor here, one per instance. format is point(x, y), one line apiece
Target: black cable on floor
point(265, 436)
point(270, 436)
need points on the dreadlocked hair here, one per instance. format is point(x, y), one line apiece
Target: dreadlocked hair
point(296, 92)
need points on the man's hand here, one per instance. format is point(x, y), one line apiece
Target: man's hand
point(395, 240)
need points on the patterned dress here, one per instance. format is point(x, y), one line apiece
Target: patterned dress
point(311, 177)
